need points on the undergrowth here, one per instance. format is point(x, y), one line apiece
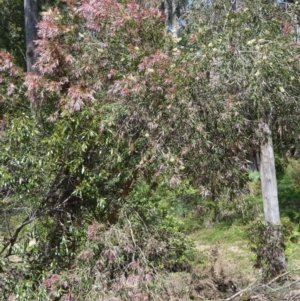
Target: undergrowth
point(153, 246)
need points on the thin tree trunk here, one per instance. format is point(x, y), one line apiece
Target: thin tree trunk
point(268, 179)
point(269, 190)
point(172, 11)
point(175, 18)
point(31, 19)
point(236, 5)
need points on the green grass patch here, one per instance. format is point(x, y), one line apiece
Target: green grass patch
point(226, 231)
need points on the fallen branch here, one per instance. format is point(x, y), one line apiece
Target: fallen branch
point(241, 291)
point(265, 285)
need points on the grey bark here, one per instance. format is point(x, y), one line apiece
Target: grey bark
point(172, 11)
point(31, 19)
point(253, 161)
point(268, 179)
point(236, 5)
point(269, 189)
point(175, 18)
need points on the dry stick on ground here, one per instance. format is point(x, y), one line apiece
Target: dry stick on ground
point(263, 285)
point(242, 291)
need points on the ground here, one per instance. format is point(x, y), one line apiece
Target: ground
point(227, 259)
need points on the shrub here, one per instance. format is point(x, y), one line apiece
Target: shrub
point(268, 244)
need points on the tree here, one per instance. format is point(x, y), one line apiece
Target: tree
point(266, 164)
point(31, 19)
point(100, 168)
point(253, 69)
point(12, 25)
point(81, 159)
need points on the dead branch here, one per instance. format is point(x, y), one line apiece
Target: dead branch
point(265, 285)
point(241, 291)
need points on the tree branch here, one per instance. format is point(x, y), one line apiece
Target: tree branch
point(10, 243)
point(263, 285)
point(35, 214)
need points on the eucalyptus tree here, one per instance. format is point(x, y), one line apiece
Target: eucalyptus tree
point(252, 60)
point(72, 91)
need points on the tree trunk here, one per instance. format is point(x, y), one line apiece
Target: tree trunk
point(172, 12)
point(268, 179)
point(31, 19)
point(269, 190)
point(236, 5)
point(175, 18)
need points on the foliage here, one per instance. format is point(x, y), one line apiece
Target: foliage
point(119, 112)
point(267, 242)
point(244, 54)
point(288, 191)
point(70, 157)
point(101, 115)
point(121, 260)
point(84, 161)
point(12, 37)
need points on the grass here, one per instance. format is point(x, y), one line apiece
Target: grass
point(222, 231)
point(293, 256)
point(233, 249)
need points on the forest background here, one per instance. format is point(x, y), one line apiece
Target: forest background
point(126, 126)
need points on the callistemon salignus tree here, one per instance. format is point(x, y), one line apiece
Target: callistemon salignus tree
point(123, 85)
